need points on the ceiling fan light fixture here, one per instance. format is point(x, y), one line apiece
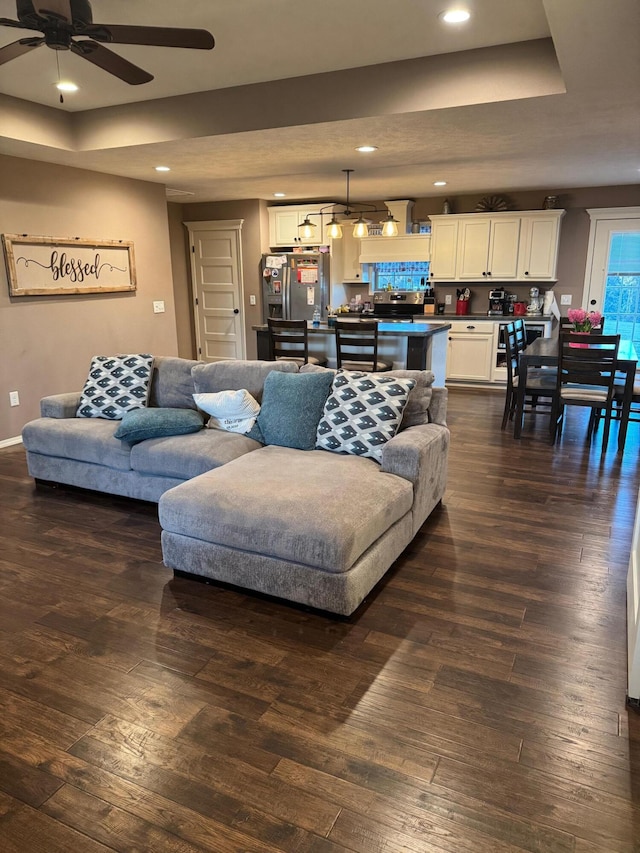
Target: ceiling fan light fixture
point(389, 226)
point(307, 229)
point(334, 229)
point(66, 86)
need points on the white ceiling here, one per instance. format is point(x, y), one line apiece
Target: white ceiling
point(516, 129)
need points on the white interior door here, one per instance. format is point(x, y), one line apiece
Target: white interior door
point(612, 283)
point(216, 275)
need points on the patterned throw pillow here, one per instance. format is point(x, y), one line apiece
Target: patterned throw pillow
point(115, 385)
point(362, 413)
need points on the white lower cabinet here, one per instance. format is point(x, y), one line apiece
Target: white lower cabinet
point(471, 350)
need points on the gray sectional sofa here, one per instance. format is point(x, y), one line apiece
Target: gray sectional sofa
point(310, 526)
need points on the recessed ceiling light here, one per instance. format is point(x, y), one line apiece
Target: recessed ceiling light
point(439, 183)
point(366, 149)
point(162, 169)
point(66, 86)
point(455, 16)
point(279, 195)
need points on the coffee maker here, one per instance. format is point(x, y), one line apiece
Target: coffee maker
point(497, 303)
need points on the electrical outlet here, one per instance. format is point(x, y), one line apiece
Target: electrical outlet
point(252, 299)
point(14, 398)
point(158, 307)
point(447, 299)
point(565, 299)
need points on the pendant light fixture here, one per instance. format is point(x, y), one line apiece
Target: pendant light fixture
point(334, 228)
point(389, 226)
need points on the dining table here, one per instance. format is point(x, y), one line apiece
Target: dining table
point(543, 352)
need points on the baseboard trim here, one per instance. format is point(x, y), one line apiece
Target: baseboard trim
point(8, 442)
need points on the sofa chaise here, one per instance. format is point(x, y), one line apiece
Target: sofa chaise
point(311, 526)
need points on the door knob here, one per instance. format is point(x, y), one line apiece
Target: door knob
point(236, 310)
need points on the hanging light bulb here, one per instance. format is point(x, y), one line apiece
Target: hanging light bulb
point(389, 226)
point(307, 229)
point(334, 229)
point(360, 228)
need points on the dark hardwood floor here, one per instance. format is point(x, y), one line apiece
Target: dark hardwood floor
point(476, 702)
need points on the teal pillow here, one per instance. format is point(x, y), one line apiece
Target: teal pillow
point(140, 424)
point(292, 405)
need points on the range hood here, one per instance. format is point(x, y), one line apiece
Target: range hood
point(404, 247)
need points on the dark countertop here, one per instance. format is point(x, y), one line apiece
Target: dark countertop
point(497, 318)
point(423, 329)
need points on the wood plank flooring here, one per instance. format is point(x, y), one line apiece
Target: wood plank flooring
point(476, 702)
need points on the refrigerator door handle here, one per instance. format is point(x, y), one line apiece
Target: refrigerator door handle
point(286, 293)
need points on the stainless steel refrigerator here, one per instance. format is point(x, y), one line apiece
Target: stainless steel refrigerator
point(293, 284)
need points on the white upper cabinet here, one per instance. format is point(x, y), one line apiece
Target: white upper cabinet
point(404, 247)
point(444, 248)
point(539, 239)
point(284, 224)
point(345, 257)
point(496, 247)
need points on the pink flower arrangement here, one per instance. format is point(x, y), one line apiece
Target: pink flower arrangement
point(584, 321)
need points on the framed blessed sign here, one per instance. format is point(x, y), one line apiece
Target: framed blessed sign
point(50, 266)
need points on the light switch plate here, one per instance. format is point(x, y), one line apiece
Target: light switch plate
point(252, 299)
point(158, 307)
point(14, 398)
point(565, 299)
point(447, 299)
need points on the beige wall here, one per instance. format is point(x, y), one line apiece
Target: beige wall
point(255, 239)
point(46, 343)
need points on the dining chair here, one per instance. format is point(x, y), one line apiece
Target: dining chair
point(539, 382)
point(521, 334)
point(586, 377)
point(357, 346)
point(289, 341)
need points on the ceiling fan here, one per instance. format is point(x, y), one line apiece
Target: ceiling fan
point(62, 21)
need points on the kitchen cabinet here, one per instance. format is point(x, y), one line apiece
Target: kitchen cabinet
point(444, 248)
point(538, 256)
point(488, 248)
point(505, 246)
point(345, 258)
point(284, 222)
point(471, 350)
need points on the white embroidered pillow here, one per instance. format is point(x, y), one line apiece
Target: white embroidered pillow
point(233, 411)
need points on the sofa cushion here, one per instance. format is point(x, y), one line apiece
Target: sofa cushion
point(115, 385)
point(292, 405)
point(172, 383)
point(310, 507)
point(416, 411)
point(141, 424)
point(234, 411)
point(362, 412)
point(233, 375)
point(186, 456)
point(82, 439)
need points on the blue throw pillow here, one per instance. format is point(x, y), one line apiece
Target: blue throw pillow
point(292, 405)
point(140, 424)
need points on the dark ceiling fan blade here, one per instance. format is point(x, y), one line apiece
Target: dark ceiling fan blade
point(18, 48)
point(152, 36)
point(58, 9)
point(111, 62)
point(7, 22)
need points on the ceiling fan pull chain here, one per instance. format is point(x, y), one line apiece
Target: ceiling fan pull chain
point(58, 66)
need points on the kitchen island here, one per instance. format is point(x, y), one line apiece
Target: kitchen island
point(415, 346)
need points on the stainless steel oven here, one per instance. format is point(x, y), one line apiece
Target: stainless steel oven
point(398, 305)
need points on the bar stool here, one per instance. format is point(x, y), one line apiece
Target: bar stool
point(289, 341)
point(357, 346)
